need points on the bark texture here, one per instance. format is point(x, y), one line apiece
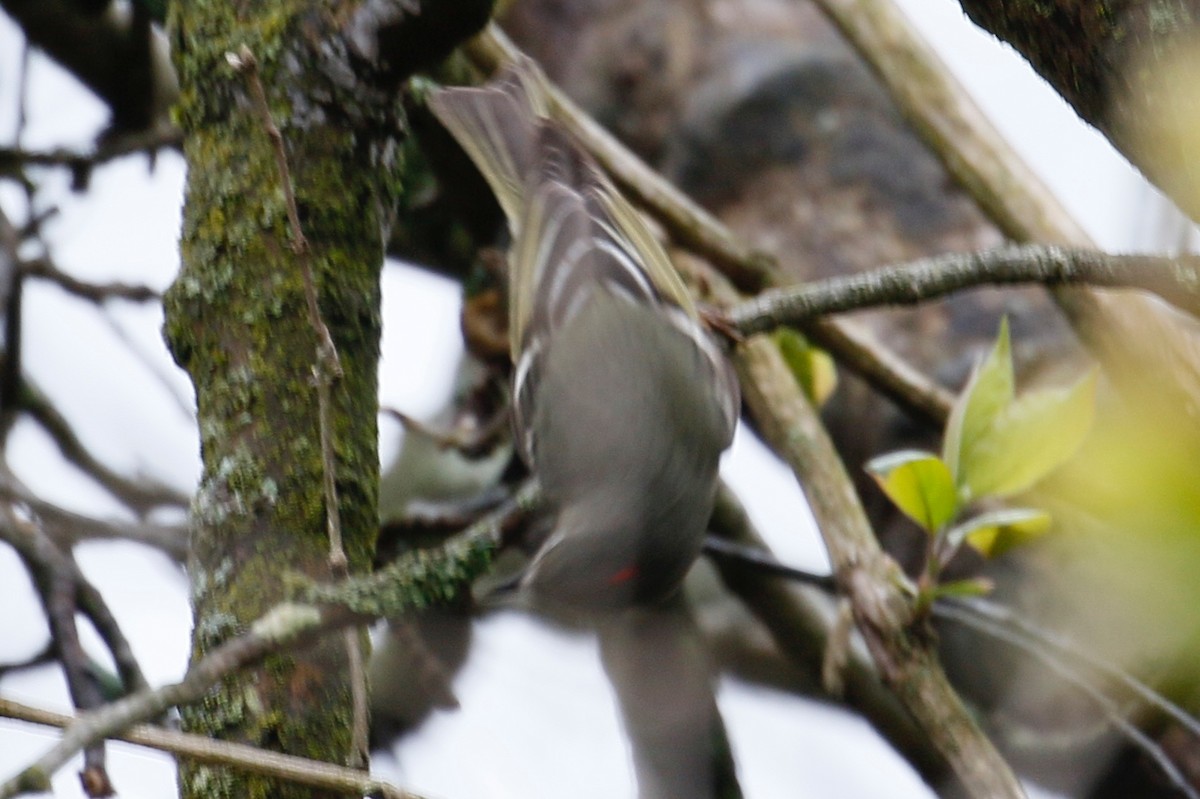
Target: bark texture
point(1128, 67)
point(236, 320)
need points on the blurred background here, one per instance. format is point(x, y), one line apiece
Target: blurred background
point(752, 106)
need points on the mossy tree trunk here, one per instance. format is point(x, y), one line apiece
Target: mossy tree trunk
point(236, 320)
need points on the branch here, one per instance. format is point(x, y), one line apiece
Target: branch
point(698, 231)
point(299, 770)
point(1128, 332)
point(1140, 740)
point(878, 591)
point(1176, 280)
point(13, 160)
point(140, 495)
point(95, 292)
point(1003, 624)
point(687, 223)
point(801, 624)
point(880, 595)
point(416, 579)
point(882, 369)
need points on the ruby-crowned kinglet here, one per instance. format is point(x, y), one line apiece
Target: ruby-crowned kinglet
point(622, 402)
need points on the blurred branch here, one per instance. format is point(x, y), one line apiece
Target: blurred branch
point(67, 528)
point(115, 51)
point(882, 369)
point(698, 231)
point(800, 621)
point(998, 616)
point(140, 494)
point(41, 553)
point(81, 164)
point(876, 587)
point(415, 579)
point(1176, 280)
point(945, 116)
point(1128, 332)
point(1034, 647)
point(94, 292)
point(880, 596)
point(10, 303)
point(987, 618)
point(63, 592)
point(299, 770)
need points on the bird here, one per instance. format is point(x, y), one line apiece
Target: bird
point(622, 402)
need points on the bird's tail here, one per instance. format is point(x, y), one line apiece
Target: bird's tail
point(497, 125)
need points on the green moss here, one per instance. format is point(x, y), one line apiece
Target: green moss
point(237, 320)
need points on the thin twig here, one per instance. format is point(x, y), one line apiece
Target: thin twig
point(326, 371)
point(1004, 625)
point(141, 495)
point(284, 625)
point(110, 148)
point(1176, 280)
point(11, 295)
point(998, 614)
point(414, 580)
point(56, 577)
point(35, 545)
point(200, 748)
point(798, 617)
point(723, 549)
point(1112, 712)
point(95, 292)
point(67, 528)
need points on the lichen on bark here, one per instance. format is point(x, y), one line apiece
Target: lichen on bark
point(236, 321)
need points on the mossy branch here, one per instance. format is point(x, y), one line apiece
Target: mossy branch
point(415, 580)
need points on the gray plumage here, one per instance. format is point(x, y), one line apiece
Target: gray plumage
point(622, 404)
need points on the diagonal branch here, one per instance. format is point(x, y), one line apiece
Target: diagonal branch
point(1176, 280)
point(879, 593)
point(299, 770)
point(416, 579)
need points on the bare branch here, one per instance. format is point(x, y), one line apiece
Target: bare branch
point(414, 580)
point(1176, 280)
point(94, 292)
point(885, 371)
point(141, 494)
point(1128, 332)
point(299, 770)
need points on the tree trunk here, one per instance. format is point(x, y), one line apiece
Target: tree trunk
point(236, 319)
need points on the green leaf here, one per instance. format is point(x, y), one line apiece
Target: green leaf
point(811, 367)
point(987, 393)
point(974, 586)
point(1029, 439)
point(996, 532)
point(919, 484)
